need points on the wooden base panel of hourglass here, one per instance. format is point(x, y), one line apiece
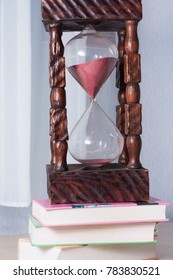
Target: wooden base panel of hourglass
point(110, 183)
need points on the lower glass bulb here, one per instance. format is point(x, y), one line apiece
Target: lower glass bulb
point(95, 140)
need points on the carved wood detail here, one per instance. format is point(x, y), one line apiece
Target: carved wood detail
point(74, 14)
point(131, 41)
point(132, 68)
point(134, 145)
point(132, 93)
point(58, 114)
point(58, 154)
point(57, 72)
point(120, 109)
point(133, 119)
point(132, 74)
point(58, 124)
point(58, 98)
point(102, 185)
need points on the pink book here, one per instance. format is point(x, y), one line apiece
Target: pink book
point(98, 213)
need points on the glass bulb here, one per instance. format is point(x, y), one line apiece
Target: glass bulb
point(90, 59)
point(95, 140)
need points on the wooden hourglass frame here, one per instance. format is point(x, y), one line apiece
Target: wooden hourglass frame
point(127, 180)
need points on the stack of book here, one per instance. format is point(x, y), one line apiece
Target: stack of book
point(92, 231)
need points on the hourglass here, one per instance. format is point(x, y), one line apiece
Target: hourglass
point(95, 142)
point(90, 59)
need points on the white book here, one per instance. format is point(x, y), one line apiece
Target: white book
point(90, 234)
point(78, 214)
point(88, 252)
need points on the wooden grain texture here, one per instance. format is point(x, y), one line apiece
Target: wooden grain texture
point(120, 83)
point(74, 14)
point(58, 154)
point(58, 98)
point(134, 145)
point(132, 68)
point(58, 124)
point(132, 77)
point(131, 40)
point(107, 184)
point(133, 118)
point(57, 73)
point(58, 112)
point(132, 93)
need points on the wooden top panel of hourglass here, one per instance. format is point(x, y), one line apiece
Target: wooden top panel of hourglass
point(104, 14)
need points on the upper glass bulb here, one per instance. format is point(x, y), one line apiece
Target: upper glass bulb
point(90, 59)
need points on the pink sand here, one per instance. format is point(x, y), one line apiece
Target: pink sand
point(91, 75)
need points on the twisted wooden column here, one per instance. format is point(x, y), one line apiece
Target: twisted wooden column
point(132, 77)
point(120, 109)
point(58, 114)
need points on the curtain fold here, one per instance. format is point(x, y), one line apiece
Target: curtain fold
point(15, 102)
